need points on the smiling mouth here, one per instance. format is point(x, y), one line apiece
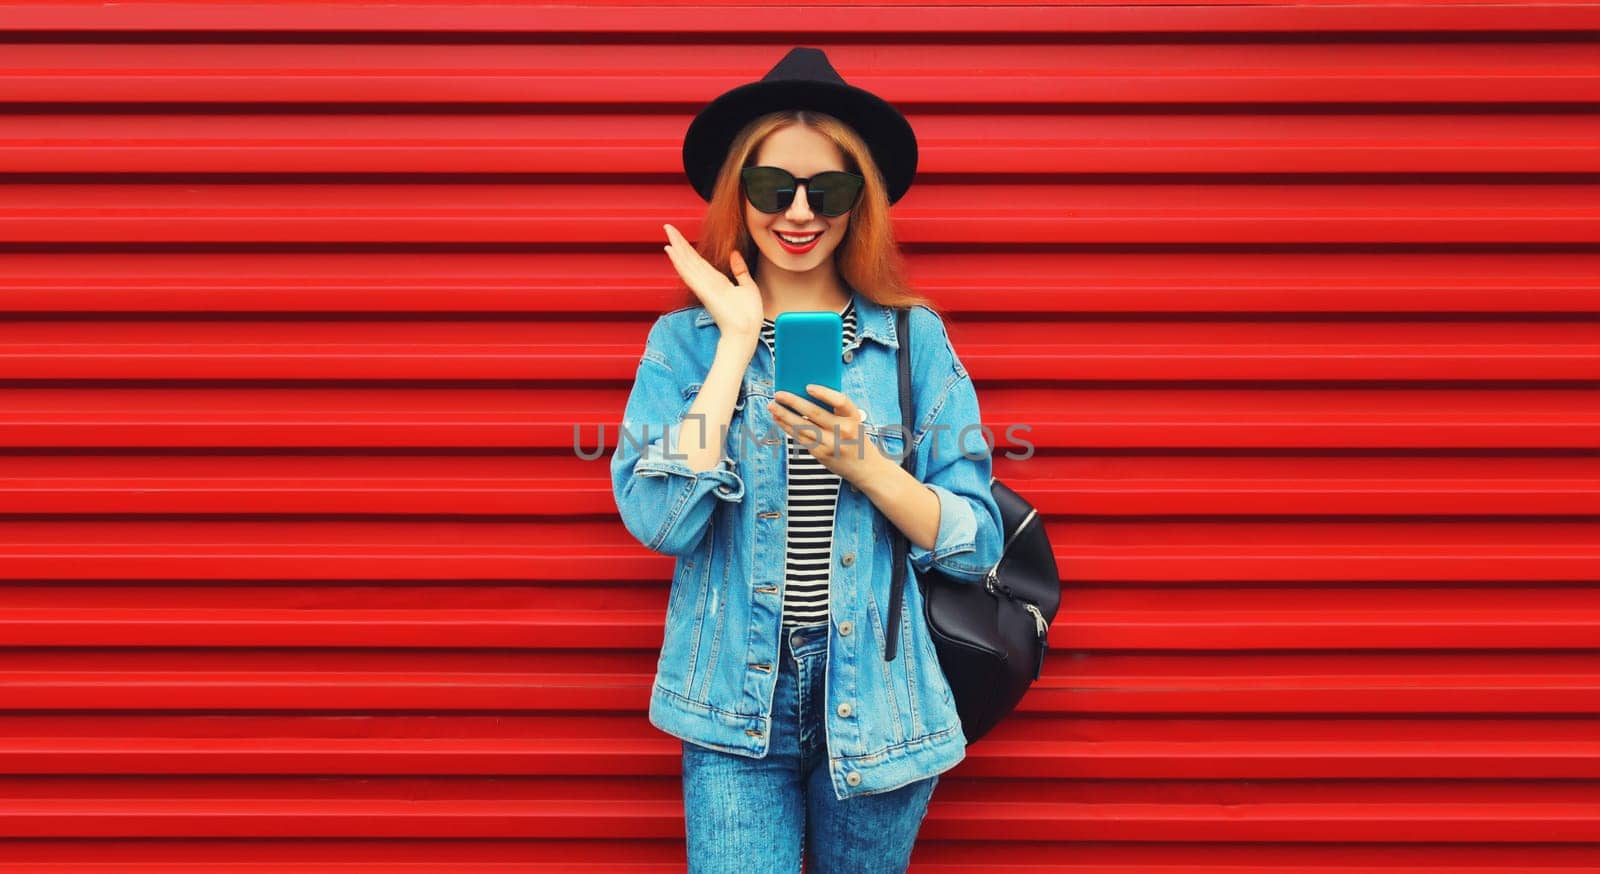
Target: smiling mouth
point(804, 244)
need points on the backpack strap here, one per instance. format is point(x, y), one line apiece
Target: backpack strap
point(901, 544)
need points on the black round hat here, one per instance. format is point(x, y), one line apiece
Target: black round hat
point(802, 80)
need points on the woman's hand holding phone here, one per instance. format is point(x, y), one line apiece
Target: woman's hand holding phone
point(857, 459)
point(736, 307)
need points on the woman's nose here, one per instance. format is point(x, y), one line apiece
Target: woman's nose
point(800, 210)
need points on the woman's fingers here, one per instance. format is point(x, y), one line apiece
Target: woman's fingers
point(843, 407)
point(678, 246)
point(684, 258)
point(735, 305)
point(801, 406)
point(681, 244)
point(692, 259)
point(808, 434)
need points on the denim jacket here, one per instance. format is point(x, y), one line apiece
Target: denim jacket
point(889, 723)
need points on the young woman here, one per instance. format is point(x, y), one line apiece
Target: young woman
point(800, 735)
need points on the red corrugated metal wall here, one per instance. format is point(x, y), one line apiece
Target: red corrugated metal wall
point(302, 302)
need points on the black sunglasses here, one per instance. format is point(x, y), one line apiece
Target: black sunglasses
point(771, 189)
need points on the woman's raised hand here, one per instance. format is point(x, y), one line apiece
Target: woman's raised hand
point(736, 307)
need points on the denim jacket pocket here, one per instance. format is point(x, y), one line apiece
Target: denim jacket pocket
point(693, 388)
point(686, 608)
point(890, 439)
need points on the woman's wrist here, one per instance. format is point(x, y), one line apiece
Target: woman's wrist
point(904, 500)
point(739, 345)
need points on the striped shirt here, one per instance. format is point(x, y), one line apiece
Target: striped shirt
point(813, 491)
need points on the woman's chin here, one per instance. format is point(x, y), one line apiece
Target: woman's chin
point(798, 263)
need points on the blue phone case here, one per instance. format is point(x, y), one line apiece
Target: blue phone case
point(809, 350)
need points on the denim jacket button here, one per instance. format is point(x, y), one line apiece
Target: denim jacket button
point(847, 354)
point(849, 559)
point(846, 627)
point(853, 778)
point(844, 709)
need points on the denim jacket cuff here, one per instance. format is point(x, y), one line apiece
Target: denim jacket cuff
point(654, 462)
point(958, 532)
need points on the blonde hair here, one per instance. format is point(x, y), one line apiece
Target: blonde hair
point(868, 258)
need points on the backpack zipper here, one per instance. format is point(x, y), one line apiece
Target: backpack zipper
point(1041, 628)
point(994, 572)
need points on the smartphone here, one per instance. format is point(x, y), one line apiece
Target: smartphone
point(808, 346)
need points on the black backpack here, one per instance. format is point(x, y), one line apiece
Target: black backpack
point(990, 637)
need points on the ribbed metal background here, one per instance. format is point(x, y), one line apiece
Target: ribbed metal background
point(301, 303)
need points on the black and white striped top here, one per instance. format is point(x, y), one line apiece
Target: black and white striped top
point(813, 490)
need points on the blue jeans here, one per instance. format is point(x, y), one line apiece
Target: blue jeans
point(745, 815)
